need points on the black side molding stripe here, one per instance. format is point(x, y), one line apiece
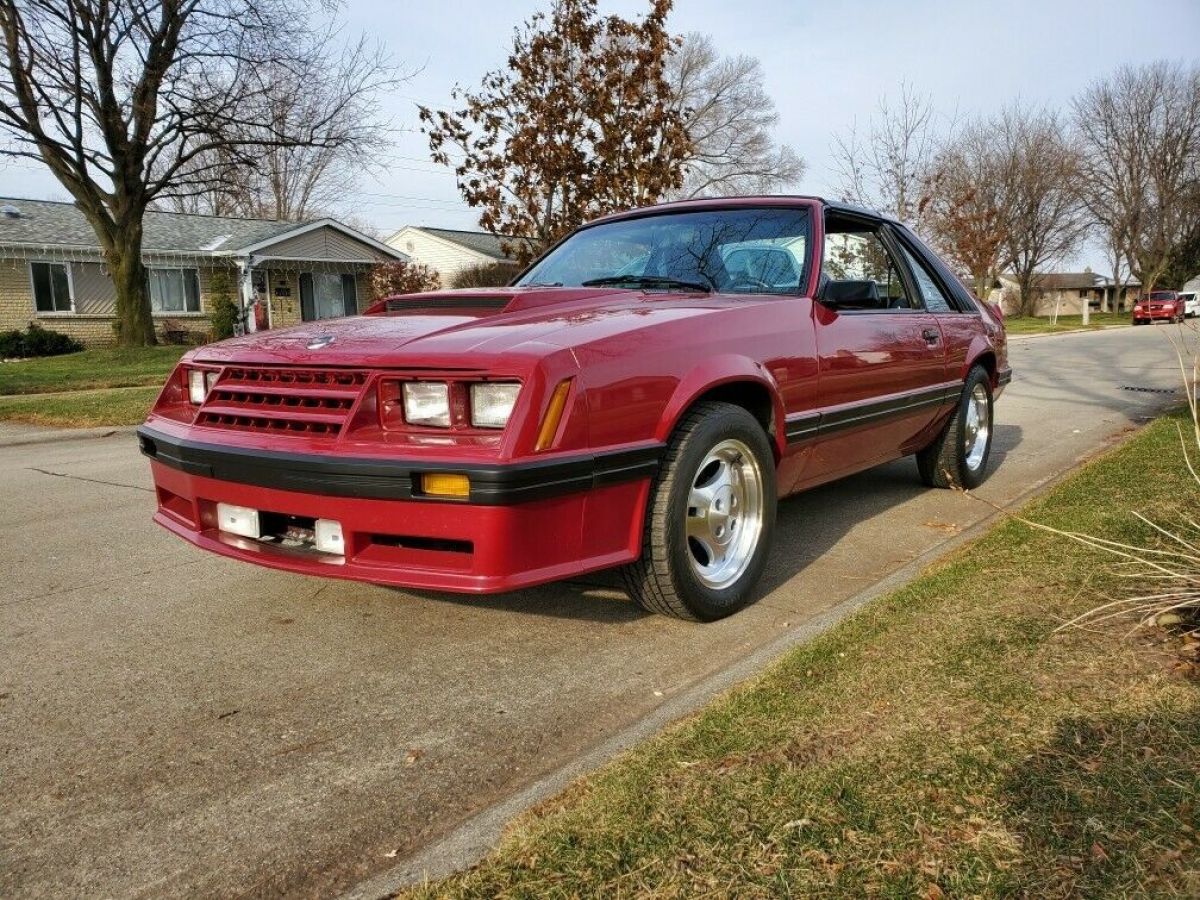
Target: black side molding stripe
point(394, 479)
point(802, 427)
point(810, 425)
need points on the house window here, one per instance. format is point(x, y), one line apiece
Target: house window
point(51, 287)
point(327, 295)
point(174, 290)
point(1084, 292)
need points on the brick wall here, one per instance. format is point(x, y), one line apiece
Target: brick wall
point(285, 298)
point(17, 309)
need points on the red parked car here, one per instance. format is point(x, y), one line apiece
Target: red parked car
point(641, 397)
point(1159, 306)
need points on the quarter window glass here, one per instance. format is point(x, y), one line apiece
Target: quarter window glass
point(51, 287)
point(862, 256)
point(935, 299)
point(174, 290)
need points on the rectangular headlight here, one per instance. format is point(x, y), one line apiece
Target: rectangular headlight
point(238, 520)
point(427, 403)
point(492, 404)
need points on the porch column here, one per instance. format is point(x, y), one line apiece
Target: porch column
point(246, 270)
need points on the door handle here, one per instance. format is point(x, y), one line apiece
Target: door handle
point(931, 335)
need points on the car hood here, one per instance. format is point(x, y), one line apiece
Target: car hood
point(462, 328)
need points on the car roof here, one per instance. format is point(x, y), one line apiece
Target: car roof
point(738, 202)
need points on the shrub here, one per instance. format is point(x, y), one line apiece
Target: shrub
point(392, 278)
point(222, 308)
point(12, 344)
point(36, 341)
point(497, 274)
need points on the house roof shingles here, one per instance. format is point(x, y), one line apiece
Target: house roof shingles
point(49, 223)
point(478, 241)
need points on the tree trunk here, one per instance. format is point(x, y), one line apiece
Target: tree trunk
point(1028, 295)
point(982, 285)
point(135, 325)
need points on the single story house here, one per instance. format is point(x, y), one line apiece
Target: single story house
point(52, 271)
point(1066, 292)
point(448, 251)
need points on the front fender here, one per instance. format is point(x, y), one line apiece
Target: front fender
point(715, 372)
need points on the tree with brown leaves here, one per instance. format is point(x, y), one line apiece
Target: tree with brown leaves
point(1045, 219)
point(580, 123)
point(965, 213)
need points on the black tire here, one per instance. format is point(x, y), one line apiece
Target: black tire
point(663, 579)
point(944, 463)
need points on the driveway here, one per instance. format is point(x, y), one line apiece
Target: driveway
point(173, 723)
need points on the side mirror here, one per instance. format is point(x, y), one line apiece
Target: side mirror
point(849, 294)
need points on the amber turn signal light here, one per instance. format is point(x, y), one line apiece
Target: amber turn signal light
point(554, 412)
point(445, 484)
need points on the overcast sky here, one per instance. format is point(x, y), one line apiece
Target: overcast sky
point(826, 65)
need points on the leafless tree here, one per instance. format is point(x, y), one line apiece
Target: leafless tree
point(1139, 134)
point(129, 101)
point(295, 182)
point(965, 212)
point(1119, 269)
point(886, 166)
point(1044, 217)
point(729, 118)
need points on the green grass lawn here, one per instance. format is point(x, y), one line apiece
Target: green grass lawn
point(122, 367)
point(80, 409)
point(942, 742)
point(1041, 325)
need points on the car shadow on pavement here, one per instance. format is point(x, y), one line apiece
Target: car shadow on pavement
point(808, 525)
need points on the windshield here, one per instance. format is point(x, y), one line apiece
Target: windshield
point(728, 250)
point(1162, 295)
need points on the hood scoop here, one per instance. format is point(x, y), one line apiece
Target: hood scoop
point(477, 303)
point(424, 304)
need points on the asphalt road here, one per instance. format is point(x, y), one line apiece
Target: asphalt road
point(176, 724)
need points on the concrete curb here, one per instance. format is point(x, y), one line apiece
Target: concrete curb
point(1049, 334)
point(470, 841)
point(35, 435)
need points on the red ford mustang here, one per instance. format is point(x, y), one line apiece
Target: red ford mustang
point(641, 397)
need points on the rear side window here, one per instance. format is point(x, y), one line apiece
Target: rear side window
point(934, 297)
point(856, 254)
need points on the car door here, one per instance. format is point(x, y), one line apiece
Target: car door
point(882, 364)
point(959, 324)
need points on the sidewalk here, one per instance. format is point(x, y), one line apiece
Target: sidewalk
point(13, 434)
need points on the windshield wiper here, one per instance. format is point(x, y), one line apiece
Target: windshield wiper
point(661, 281)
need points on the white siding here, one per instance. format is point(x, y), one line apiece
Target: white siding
point(444, 257)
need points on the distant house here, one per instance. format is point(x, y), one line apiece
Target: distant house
point(1066, 293)
point(52, 271)
point(448, 251)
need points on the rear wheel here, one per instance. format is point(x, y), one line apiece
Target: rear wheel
point(709, 519)
point(958, 457)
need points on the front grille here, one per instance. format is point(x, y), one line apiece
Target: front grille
point(310, 402)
